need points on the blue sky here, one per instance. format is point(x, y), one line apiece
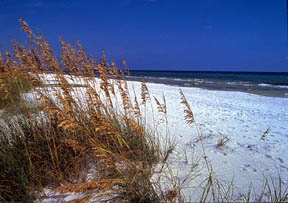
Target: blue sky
point(225, 35)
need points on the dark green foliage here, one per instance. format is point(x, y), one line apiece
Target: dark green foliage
point(14, 172)
point(12, 87)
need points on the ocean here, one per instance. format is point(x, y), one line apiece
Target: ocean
point(260, 83)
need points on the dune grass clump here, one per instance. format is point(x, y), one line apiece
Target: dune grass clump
point(77, 120)
point(222, 141)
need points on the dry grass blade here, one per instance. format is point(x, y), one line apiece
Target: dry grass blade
point(136, 128)
point(88, 186)
point(76, 146)
point(144, 92)
point(161, 107)
point(264, 136)
point(189, 116)
point(137, 111)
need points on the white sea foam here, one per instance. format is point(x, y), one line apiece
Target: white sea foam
point(282, 86)
point(232, 83)
point(274, 86)
point(182, 80)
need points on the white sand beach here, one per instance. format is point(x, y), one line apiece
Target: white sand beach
point(241, 117)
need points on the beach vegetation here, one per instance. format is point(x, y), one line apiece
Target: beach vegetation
point(222, 141)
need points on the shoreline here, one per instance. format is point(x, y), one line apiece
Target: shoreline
point(272, 91)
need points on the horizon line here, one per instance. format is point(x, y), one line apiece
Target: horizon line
point(165, 70)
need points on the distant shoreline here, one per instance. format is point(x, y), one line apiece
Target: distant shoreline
point(264, 84)
point(209, 71)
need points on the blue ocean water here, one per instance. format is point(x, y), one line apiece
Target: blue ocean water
point(261, 83)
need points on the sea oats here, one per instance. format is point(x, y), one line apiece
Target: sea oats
point(189, 116)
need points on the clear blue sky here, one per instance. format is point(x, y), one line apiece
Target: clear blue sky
point(227, 35)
